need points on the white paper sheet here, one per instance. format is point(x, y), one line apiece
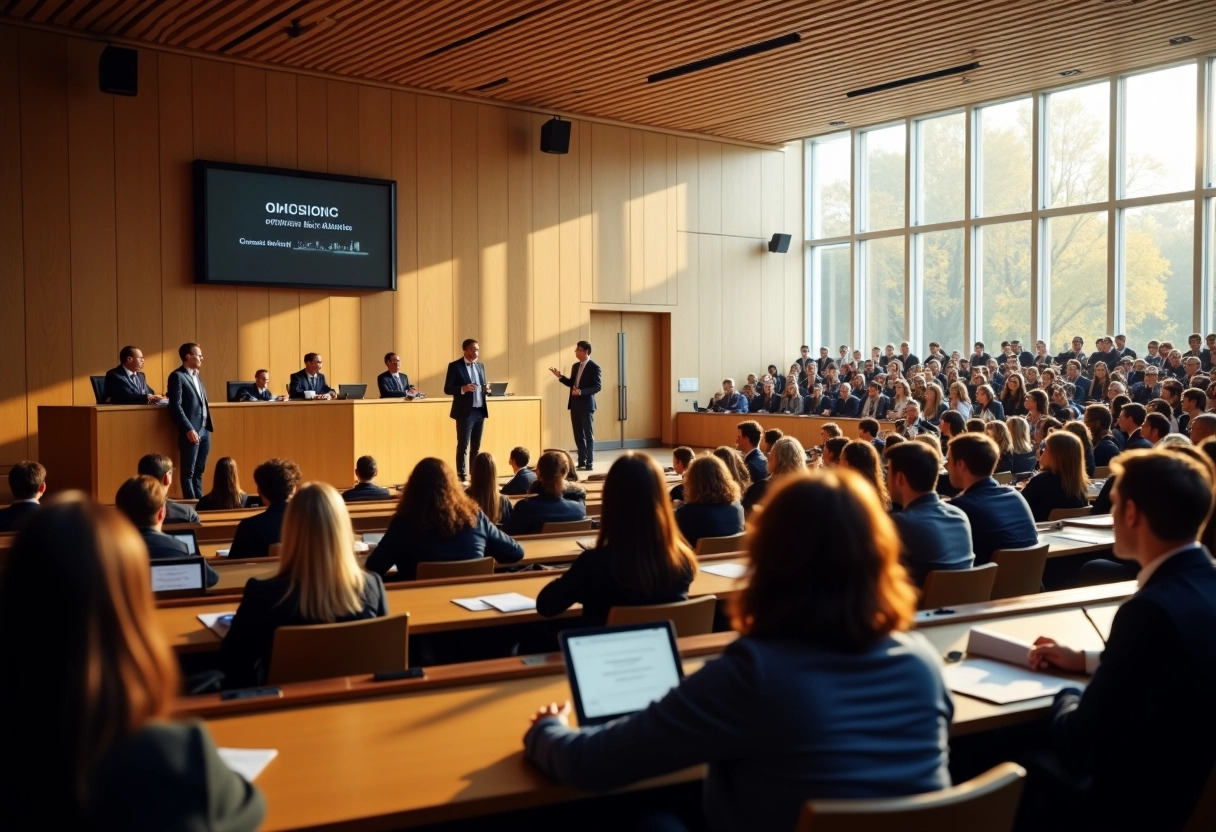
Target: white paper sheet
point(990, 644)
point(1086, 535)
point(726, 570)
point(1001, 683)
point(211, 620)
point(247, 762)
point(472, 604)
point(510, 602)
point(1096, 521)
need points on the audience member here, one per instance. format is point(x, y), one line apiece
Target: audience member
point(1079, 430)
point(998, 432)
point(142, 501)
point(999, 517)
point(1023, 458)
point(862, 458)
point(226, 490)
point(733, 460)
point(711, 507)
point(277, 480)
point(1061, 481)
point(747, 442)
point(530, 515)
point(27, 482)
point(681, 458)
point(523, 475)
point(833, 448)
point(933, 534)
point(483, 488)
point(1131, 417)
point(366, 489)
point(160, 467)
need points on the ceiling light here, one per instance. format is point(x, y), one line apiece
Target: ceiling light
point(1068, 73)
point(837, 123)
point(1181, 39)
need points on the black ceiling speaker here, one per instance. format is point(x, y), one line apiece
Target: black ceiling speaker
point(555, 136)
point(780, 244)
point(118, 71)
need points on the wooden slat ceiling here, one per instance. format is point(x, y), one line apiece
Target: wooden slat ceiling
point(592, 57)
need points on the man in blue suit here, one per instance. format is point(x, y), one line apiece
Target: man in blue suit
point(731, 401)
point(392, 383)
point(1141, 740)
point(875, 405)
point(466, 384)
point(584, 382)
point(126, 383)
point(310, 380)
point(934, 535)
point(1080, 382)
point(190, 412)
point(845, 405)
point(747, 442)
point(999, 517)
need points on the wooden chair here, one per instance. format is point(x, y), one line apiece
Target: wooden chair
point(694, 617)
point(988, 802)
point(1101, 472)
point(947, 587)
point(583, 525)
point(1003, 477)
point(455, 568)
point(1065, 513)
point(324, 651)
point(721, 545)
point(1020, 572)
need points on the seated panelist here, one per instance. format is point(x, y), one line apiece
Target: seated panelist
point(393, 383)
point(126, 383)
point(309, 383)
point(259, 391)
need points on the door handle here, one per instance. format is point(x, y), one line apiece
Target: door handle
point(624, 408)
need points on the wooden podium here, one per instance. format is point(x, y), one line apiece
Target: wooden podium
point(96, 447)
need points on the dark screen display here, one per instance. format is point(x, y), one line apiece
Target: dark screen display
point(266, 226)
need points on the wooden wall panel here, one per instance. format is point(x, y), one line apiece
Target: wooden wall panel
point(573, 326)
point(774, 338)
point(520, 313)
point(549, 348)
point(792, 262)
point(375, 160)
point(46, 251)
point(655, 270)
point(709, 188)
point(744, 312)
point(344, 359)
point(405, 172)
point(741, 191)
point(673, 203)
point(636, 219)
point(711, 322)
point(13, 424)
point(91, 221)
point(283, 326)
point(493, 139)
point(586, 208)
point(610, 206)
point(312, 153)
point(250, 148)
point(434, 319)
point(174, 87)
point(466, 262)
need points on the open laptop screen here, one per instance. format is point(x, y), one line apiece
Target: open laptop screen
point(188, 537)
point(615, 671)
point(179, 575)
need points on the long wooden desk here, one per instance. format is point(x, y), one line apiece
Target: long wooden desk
point(96, 447)
point(419, 753)
point(709, 430)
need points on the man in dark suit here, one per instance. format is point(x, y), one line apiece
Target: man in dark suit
point(914, 423)
point(466, 384)
point(191, 413)
point(27, 481)
point(524, 476)
point(747, 442)
point(731, 401)
point(366, 470)
point(1131, 418)
point(160, 468)
point(310, 380)
point(907, 358)
point(1123, 351)
point(999, 516)
point(1140, 742)
point(277, 481)
point(584, 383)
point(933, 535)
point(844, 405)
point(259, 391)
point(1097, 422)
point(393, 383)
point(1077, 352)
point(875, 405)
point(142, 500)
point(126, 383)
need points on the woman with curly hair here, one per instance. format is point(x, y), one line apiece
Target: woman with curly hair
point(711, 501)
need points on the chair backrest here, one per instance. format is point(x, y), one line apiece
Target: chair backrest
point(1020, 571)
point(1003, 477)
point(323, 651)
point(99, 388)
point(567, 526)
point(987, 802)
point(1101, 472)
point(1203, 816)
point(455, 568)
point(274, 550)
point(947, 587)
point(1065, 513)
point(721, 545)
point(694, 617)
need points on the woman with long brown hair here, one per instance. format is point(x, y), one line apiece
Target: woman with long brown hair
point(550, 503)
point(639, 557)
point(826, 693)
point(318, 582)
point(87, 689)
point(862, 457)
point(711, 505)
point(733, 461)
point(436, 520)
point(1061, 481)
point(483, 488)
point(225, 490)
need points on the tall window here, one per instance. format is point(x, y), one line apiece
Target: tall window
point(831, 187)
point(831, 298)
point(941, 174)
point(939, 265)
point(1159, 132)
point(1003, 180)
point(1076, 277)
point(884, 297)
point(1158, 252)
point(1077, 146)
point(883, 154)
point(1003, 261)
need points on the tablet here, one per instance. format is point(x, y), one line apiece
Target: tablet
point(188, 537)
point(172, 577)
point(616, 671)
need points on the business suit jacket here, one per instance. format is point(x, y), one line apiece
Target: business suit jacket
point(529, 515)
point(404, 545)
point(299, 383)
point(255, 534)
point(391, 388)
point(933, 535)
point(186, 405)
point(591, 581)
point(161, 546)
point(1045, 493)
point(16, 515)
point(181, 513)
point(1105, 449)
point(251, 393)
point(880, 408)
point(1081, 392)
point(457, 377)
point(756, 465)
point(365, 491)
point(1136, 442)
point(999, 517)
point(698, 520)
point(119, 389)
point(736, 402)
point(1144, 729)
point(846, 408)
point(520, 483)
point(588, 386)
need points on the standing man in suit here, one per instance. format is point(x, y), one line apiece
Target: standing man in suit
point(259, 391)
point(584, 383)
point(393, 383)
point(126, 383)
point(310, 379)
point(466, 384)
point(191, 413)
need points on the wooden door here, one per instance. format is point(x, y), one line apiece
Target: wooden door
point(626, 345)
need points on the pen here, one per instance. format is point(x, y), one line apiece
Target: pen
point(1090, 619)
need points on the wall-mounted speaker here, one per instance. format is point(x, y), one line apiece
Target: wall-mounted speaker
point(555, 136)
point(780, 244)
point(118, 71)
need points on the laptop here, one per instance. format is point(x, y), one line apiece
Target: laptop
point(351, 391)
point(235, 388)
point(616, 671)
point(188, 537)
point(498, 388)
point(179, 577)
point(696, 406)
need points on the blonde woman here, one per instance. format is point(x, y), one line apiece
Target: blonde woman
point(786, 457)
point(934, 406)
point(318, 582)
point(960, 399)
point(1022, 456)
point(999, 433)
point(1061, 481)
point(903, 395)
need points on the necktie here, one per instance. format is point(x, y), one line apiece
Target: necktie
point(397, 381)
point(579, 375)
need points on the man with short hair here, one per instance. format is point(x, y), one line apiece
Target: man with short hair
point(1202, 427)
point(876, 404)
point(392, 383)
point(1106, 353)
point(769, 439)
point(160, 468)
point(310, 380)
point(142, 500)
point(1194, 403)
point(1156, 427)
point(867, 431)
point(524, 476)
point(126, 383)
point(1143, 392)
point(1138, 744)
point(906, 357)
point(1205, 354)
point(731, 401)
point(1077, 352)
point(27, 482)
point(1000, 518)
point(1097, 422)
point(277, 481)
point(1152, 355)
point(1025, 357)
point(747, 442)
point(681, 458)
point(191, 413)
point(1072, 371)
point(259, 391)
point(914, 423)
point(584, 382)
point(1131, 417)
point(979, 357)
point(466, 384)
point(845, 406)
point(366, 470)
point(832, 449)
point(933, 535)
point(1121, 349)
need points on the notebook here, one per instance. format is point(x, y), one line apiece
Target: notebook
point(616, 671)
